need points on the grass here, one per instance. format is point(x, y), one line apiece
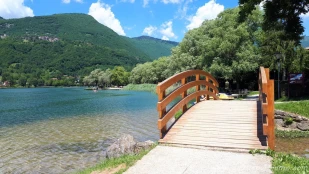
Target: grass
point(283, 163)
point(291, 134)
point(299, 107)
point(126, 160)
point(286, 99)
point(253, 93)
point(141, 87)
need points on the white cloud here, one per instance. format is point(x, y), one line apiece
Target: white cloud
point(165, 38)
point(145, 3)
point(167, 30)
point(103, 14)
point(131, 1)
point(149, 30)
point(305, 15)
point(68, 1)
point(183, 8)
point(209, 11)
point(171, 1)
point(14, 9)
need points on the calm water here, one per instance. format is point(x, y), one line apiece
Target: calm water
point(61, 130)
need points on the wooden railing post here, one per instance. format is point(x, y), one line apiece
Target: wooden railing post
point(270, 115)
point(266, 87)
point(197, 88)
point(207, 88)
point(162, 113)
point(184, 95)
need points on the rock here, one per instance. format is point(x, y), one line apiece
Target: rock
point(293, 125)
point(279, 122)
point(143, 146)
point(124, 145)
point(304, 125)
point(298, 118)
point(279, 116)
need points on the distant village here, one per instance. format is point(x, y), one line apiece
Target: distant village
point(46, 38)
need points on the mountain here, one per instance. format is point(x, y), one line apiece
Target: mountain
point(73, 44)
point(154, 47)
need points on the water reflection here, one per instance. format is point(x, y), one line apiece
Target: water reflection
point(65, 130)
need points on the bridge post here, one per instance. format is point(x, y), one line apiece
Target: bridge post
point(197, 87)
point(270, 114)
point(207, 87)
point(184, 95)
point(161, 95)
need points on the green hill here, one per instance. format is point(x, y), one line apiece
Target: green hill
point(73, 44)
point(154, 47)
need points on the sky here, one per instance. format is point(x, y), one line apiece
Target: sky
point(164, 19)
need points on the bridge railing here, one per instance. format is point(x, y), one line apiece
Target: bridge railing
point(211, 90)
point(266, 97)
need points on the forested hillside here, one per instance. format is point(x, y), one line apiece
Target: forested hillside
point(69, 44)
point(154, 47)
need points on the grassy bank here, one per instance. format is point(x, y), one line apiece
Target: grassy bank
point(297, 107)
point(283, 163)
point(141, 87)
point(116, 165)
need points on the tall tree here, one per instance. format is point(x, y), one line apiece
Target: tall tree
point(279, 15)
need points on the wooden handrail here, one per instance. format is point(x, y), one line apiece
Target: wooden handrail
point(211, 90)
point(266, 97)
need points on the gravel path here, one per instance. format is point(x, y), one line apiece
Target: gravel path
point(178, 160)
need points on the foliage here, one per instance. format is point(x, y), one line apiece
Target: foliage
point(118, 76)
point(128, 160)
point(229, 55)
point(141, 87)
point(279, 15)
point(253, 93)
point(69, 44)
point(153, 47)
point(288, 120)
point(299, 107)
point(150, 72)
point(291, 134)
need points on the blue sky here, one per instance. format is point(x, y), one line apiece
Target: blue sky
point(164, 19)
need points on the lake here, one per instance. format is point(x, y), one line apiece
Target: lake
point(62, 130)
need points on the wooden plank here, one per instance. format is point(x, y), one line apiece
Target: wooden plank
point(218, 131)
point(218, 143)
point(236, 146)
point(236, 140)
point(215, 136)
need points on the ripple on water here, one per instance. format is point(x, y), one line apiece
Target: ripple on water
point(66, 144)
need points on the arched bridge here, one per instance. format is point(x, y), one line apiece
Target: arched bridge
point(213, 122)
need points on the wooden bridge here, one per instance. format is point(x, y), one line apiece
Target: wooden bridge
point(214, 122)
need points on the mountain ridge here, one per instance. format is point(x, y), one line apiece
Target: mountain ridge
point(59, 38)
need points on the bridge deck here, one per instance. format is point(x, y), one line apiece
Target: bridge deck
point(223, 124)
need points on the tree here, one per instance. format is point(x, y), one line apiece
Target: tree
point(279, 15)
point(120, 76)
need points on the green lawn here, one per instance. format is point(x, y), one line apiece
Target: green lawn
point(299, 107)
point(253, 93)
